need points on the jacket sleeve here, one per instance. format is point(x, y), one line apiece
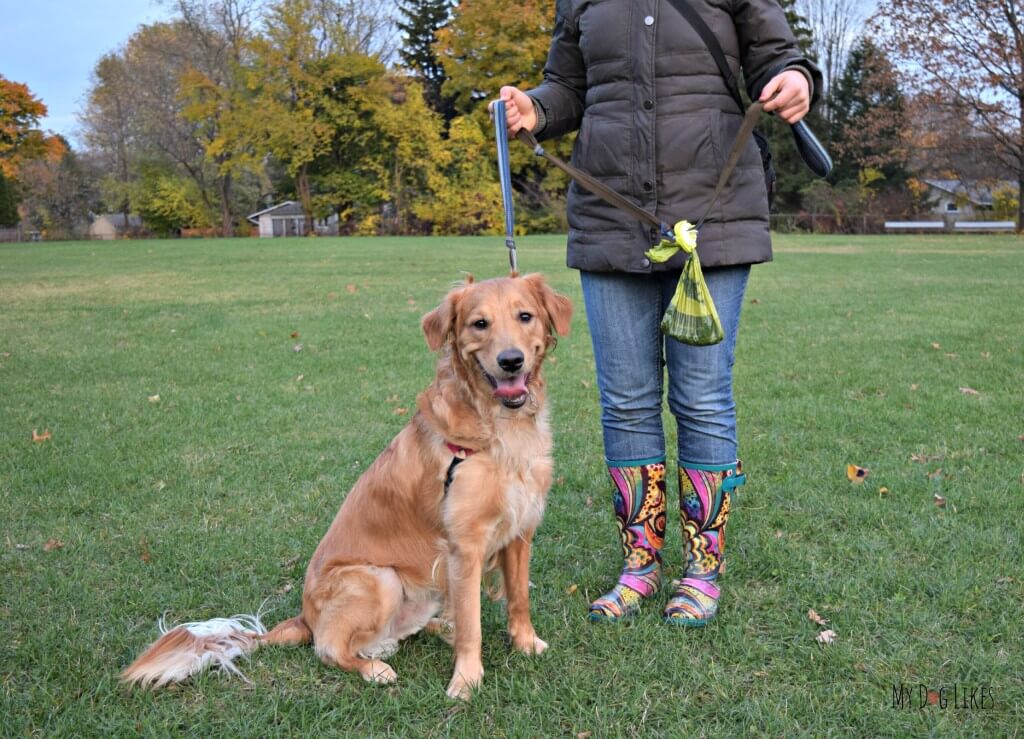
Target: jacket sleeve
point(768, 46)
point(561, 95)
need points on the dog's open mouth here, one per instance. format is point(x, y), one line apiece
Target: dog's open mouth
point(513, 392)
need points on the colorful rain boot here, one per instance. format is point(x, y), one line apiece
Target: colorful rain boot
point(704, 510)
point(639, 501)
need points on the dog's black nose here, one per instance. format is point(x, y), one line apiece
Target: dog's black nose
point(511, 360)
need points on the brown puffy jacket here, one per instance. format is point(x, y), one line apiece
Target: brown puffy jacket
point(656, 122)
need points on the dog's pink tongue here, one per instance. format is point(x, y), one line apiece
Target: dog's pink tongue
point(512, 387)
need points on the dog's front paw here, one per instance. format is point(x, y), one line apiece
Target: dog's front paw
point(379, 672)
point(530, 645)
point(464, 683)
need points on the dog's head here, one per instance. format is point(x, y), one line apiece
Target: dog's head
point(499, 331)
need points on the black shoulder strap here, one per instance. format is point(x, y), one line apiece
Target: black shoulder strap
point(708, 36)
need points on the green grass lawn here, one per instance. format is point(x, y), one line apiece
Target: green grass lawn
point(283, 367)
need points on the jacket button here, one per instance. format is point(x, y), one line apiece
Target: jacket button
point(645, 262)
point(648, 187)
point(648, 104)
point(649, 20)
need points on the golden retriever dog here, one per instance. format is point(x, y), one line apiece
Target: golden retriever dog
point(458, 492)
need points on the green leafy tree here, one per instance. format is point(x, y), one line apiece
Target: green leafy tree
point(420, 22)
point(9, 200)
point(869, 120)
point(490, 43)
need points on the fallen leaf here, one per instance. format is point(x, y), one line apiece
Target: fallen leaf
point(940, 502)
point(935, 474)
point(352, 289)
point(295, 334)
point(969, 391)
point(40, 438)
point(986, 355)
point(778, 533)
point(52, 544)
point(813, 616)
point(589, 502)
point(560, 481)
point(826, 637)
point(393, 398)
point(755, 301)
point(6, 355)
point(585, 384)
point(286, 588)
point(914, 386)
point(952, 355)
point(922, 458)
point(297, 348)
point(410, 301)
point(583, 735)
point(571, 589)
point(933, 697)
point(300, 378)
point(1004, 580)
point(1020, 438)
point(153, 398)
point(401, 411)
point(760, 673)
point(883, 491)
point(856, 474)
point(144, 554)
point(936, 345)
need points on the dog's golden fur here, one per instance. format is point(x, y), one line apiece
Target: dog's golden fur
point(404, 553)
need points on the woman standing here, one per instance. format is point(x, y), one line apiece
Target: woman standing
point(656, 120)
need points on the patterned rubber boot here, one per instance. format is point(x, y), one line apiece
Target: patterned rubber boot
point(703, 509)
point(639, 501)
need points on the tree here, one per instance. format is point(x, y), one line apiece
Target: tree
point(869, 119)
point(9, 200)
point(21, 139)
point(422, 20)
point(833, 26)
point(108, 127)
point(965, 56)
point(490, 43)
point(57, 196)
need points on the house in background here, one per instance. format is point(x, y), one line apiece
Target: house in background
point(108, 226)
point(960, 198)
point(288, 219)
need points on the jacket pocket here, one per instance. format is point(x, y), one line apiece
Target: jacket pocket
point(603, 148)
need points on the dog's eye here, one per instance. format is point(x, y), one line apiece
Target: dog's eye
point(481, 324)
point(525, 317)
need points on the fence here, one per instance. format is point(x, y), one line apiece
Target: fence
point(827, 223)
point(18, 233)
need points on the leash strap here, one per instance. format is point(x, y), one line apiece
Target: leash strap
point(505, 177)
point(613, 198)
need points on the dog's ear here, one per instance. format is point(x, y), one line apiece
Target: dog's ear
point(558, 307)
point(439, 323)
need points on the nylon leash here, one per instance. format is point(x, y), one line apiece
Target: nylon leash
point(505, 177)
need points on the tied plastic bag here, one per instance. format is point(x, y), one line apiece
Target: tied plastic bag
point(691, 316)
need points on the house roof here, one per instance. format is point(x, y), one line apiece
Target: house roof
point(979, 193)
point(287, 208)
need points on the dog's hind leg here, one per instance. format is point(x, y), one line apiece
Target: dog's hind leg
point(353, 630)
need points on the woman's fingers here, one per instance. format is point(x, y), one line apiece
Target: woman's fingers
point(787, 95)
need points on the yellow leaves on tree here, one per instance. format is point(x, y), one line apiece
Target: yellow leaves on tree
point(20, 138)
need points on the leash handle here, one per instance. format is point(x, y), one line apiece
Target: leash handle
point(505, 178)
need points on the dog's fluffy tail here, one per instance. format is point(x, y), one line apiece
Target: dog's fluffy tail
point(190, 648)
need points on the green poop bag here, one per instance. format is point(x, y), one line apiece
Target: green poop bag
point(691, 316)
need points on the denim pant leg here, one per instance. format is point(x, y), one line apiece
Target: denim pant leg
point(624, 313)
point(700, 378)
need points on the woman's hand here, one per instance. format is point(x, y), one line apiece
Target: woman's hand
point(788, 95)
point(519, 112)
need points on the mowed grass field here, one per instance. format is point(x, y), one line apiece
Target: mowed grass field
point(284, 366)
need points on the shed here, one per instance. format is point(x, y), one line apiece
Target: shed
point(288, 219)
point(108, 226)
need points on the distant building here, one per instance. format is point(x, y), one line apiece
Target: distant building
point(965, 198)
point(288, 219)
point(108, 226)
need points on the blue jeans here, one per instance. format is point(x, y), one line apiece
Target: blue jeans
point(624, 312)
